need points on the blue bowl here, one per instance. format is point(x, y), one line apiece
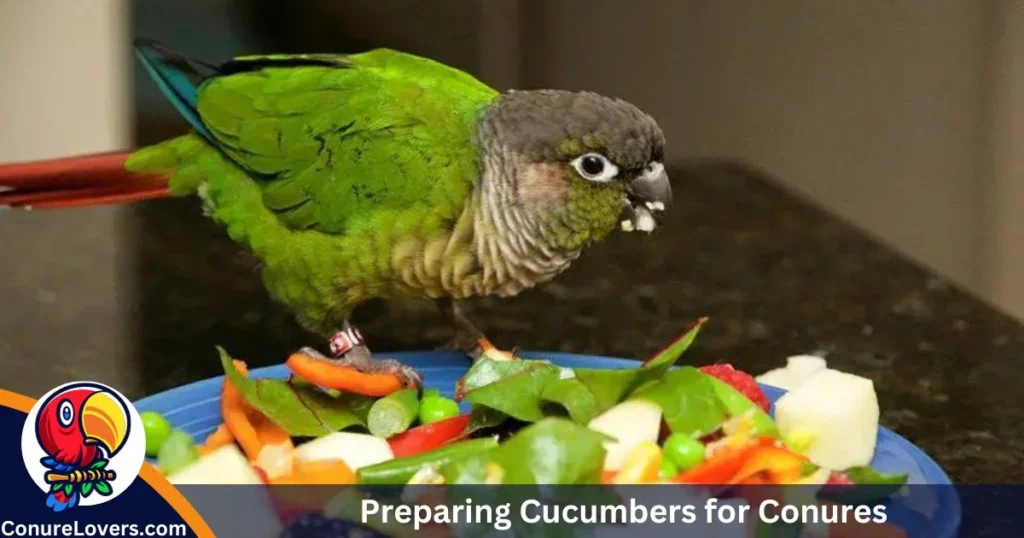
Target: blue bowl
point(195, 408)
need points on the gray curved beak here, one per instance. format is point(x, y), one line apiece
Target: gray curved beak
point(654, 190)
point(647, 197)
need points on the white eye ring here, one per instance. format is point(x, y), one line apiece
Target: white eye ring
point(653, 170)
point(65, 413)
point(595, 167)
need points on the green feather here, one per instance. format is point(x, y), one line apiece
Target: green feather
point(380, 130)
point(322, 169)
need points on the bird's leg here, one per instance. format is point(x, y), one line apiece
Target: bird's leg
point(467, 337)
point(349, 349)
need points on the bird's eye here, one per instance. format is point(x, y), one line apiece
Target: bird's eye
point(65, 413)
point(595, 167)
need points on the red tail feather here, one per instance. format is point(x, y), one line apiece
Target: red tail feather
point(76, 182)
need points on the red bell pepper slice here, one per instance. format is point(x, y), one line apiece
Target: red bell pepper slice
point(428, 436)
point(774, 464)
point(723, 468)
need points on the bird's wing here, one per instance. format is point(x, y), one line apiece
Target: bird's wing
point(332, 139)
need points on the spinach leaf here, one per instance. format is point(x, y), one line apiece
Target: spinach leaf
point(486, 371)
point(518, 395)
point(610, 387)
point(300, 408)
point(552, 451)
point(688, 401)
point(866, 475)
point(869, 486)
point(574, 397)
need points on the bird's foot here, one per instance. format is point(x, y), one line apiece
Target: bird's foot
point(466, 343)
point(349, 350)
point(467, 338)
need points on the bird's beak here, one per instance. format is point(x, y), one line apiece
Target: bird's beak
point(104, 421)
point(648, 196)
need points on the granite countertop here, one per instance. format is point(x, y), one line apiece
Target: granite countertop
point(776, 277)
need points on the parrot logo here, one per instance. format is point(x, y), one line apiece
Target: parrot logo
point(82, 444)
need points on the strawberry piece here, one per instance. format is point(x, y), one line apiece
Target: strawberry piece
point(741, 381)
point(838, 479)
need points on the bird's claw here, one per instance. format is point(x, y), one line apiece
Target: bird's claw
point(360, 358)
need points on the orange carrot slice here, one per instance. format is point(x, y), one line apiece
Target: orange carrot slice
point(343, 378)
point(220, 437)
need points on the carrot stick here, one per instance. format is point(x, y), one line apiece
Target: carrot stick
point(343, 378)
point(220, 437)
point(266, 444)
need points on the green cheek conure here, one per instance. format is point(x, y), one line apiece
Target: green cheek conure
point(379, 174)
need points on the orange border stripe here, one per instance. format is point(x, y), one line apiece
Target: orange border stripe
point(151, 475)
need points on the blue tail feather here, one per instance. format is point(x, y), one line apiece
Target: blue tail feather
point(174, 76)
point(58, 502)
point(55, 465)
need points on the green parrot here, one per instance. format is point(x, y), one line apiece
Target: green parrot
point(380, 175)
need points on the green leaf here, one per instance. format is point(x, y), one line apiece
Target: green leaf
point(98, 464)
point(103, 488)
point(866, 475)
point(529, 390)
point(300, 408)
point(552, 451)
point(870, 486)
point(610, 387)
point(688, 401)
point(86, 489)
point(574, 397)
point(68, 488)
point(486, 371)
point(56, 486)
point(668, 355)
point(518, 395)
point(482, 417)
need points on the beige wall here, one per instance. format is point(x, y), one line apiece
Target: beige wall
point(70, 63)
point(877, 109)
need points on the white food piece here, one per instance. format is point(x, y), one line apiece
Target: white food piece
point(798, 369)
point(631, 422)
point(627, 226)
point(276, 460)
point(840, 413)
point(355, 449)
point(802, 367)
point(779, 377)
point(225, 465)
point(644, 220)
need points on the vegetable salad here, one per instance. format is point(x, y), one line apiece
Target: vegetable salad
point(328, 424)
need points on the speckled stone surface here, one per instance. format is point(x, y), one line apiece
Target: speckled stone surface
point(776, 276)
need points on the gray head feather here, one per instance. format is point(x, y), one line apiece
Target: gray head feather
point(542, 125)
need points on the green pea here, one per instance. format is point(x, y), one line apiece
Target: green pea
point(684, 451)
point(156, 429)
point(437, 408)
point(176, 453)
point(668, 469)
